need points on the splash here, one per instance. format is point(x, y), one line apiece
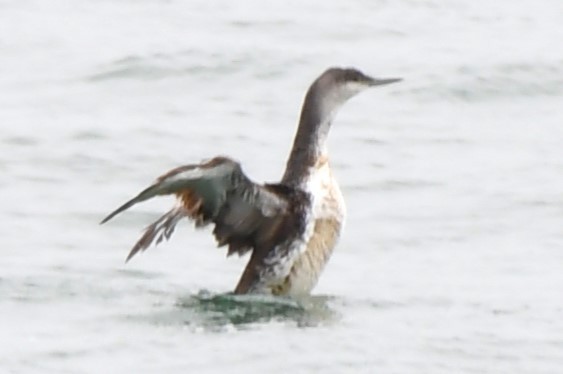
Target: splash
point(219, 311)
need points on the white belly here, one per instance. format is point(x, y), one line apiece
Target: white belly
point(329, 213)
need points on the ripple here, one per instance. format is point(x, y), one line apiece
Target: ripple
point(20, 140)
point(481, 83)
point(220, 312)
point(88, 135)
point(161, 66)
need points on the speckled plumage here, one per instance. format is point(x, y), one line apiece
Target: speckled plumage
point(290, 228)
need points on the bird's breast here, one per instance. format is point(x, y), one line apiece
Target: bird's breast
point(328, 213)
point(328, 202)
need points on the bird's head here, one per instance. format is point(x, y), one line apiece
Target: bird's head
point(340, 84)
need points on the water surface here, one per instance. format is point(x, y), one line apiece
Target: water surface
point(451, 257)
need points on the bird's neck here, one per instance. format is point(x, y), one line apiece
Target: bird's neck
point(309, 145)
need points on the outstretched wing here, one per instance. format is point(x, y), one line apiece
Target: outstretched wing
point(217, 191)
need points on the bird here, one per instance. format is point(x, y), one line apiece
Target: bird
point(291, 227)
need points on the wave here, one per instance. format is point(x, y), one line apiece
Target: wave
point(217, 312)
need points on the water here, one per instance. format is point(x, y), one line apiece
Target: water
point(451, 258)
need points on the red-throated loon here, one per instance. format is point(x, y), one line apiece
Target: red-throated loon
point(290, 227)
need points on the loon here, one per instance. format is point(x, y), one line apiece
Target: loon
point(290, 228)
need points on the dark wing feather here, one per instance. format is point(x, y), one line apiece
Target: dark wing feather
point(160, 230)
point(216, 192)
point(208, 180)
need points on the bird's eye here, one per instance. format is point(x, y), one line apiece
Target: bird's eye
point(352, 76)
point(357, 76)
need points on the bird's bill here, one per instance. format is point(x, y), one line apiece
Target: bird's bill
point(379, 82)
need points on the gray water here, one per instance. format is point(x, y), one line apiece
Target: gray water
point(451, 260)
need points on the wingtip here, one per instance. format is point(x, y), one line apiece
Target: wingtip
point(110, 216)
point(122, 208)
point(132, 253)
point(105, 220)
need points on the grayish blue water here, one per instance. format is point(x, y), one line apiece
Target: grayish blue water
point(451, 261)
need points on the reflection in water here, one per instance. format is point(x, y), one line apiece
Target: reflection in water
point(218, 311)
